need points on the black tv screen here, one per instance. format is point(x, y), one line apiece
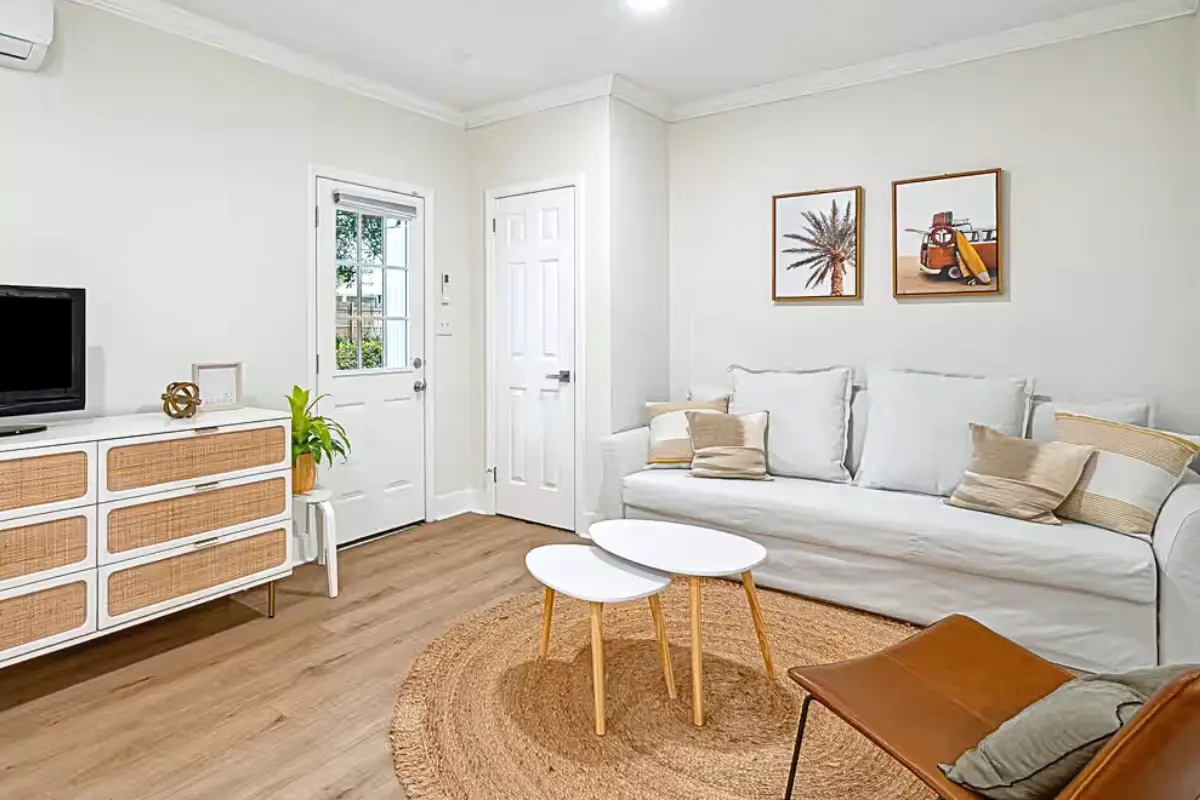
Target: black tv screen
point(42, 350)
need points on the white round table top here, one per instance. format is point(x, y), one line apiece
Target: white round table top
point(317, 495)
point(678, 549)
point(588, 573)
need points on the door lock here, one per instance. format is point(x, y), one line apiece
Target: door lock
point(420, 386)
point(562, 376)
point(418, 363)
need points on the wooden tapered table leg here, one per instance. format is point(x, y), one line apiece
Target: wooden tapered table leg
point(271, 600)
point(547, 613)
point(759, 628)
point(697, 655)
point(598, 664)
point(664, 647)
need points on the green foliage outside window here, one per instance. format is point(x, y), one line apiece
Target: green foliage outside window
point(347, 354)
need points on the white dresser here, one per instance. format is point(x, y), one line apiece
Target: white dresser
point(111, 522)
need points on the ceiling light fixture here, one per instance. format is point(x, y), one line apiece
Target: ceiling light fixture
point(646, 6)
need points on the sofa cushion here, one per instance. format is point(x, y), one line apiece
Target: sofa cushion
point(911, 527)
point(1128, 412)
point(810, 418)
point(919, 436)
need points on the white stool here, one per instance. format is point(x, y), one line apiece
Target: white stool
point(318, 501)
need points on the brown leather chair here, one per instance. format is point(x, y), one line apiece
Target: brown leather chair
point(929, 699)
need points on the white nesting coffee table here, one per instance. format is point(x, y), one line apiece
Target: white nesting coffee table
point(599, 578)
point(696, 553)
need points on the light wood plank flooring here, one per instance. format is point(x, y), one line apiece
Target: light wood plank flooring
point(221, 703)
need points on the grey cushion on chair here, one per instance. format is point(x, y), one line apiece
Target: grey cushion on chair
point(1034, 755)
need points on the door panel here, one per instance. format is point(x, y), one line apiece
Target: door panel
point(371, 339)
point(534, 350)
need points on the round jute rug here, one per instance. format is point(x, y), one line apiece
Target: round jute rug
point(480, 716)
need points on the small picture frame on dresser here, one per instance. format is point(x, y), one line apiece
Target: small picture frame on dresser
point(220, 385)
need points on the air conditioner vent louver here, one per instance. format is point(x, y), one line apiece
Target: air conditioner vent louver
point(19, 49)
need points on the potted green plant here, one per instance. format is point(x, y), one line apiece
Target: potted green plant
point(313, 438)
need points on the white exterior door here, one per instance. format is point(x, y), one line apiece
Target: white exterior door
point(370, 349)
point(534, 335)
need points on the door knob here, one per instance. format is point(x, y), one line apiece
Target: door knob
point(420, 386)
point(562, 376)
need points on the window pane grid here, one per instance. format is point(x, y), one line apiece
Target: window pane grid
point(373, 316)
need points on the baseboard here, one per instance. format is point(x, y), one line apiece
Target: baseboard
point(464, 501)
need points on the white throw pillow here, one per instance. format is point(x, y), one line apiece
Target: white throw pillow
point(1128, 412)
point(809, 418)
point(919, 435)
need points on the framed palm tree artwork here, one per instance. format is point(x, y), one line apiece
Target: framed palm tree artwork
point(817, 237)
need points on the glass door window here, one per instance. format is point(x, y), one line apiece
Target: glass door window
point(372, 314)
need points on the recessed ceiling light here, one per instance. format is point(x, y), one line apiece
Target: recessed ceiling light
point(647, 5)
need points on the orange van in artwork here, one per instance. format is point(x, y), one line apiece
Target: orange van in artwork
point(954, 249)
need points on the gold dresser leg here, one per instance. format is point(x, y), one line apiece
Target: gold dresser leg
point(271, 600)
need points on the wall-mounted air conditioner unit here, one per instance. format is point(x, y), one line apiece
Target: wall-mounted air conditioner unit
point(26, 29)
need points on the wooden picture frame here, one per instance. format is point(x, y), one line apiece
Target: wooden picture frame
point(220, 385)
point(942, 251)
point(790, 221)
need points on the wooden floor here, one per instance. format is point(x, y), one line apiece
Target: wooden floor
point(221, 703)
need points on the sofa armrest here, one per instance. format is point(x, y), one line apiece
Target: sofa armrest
point(623, 454)
point(1177, 549)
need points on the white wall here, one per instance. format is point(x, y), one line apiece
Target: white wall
point(562, 143)
point(170, 180)
point(1099, 141)
point(640, 335)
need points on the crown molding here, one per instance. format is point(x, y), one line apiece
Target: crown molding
point(643, 99)
point(172, 19)
point(1077, 26)
point(169, 18)
point(541, 101)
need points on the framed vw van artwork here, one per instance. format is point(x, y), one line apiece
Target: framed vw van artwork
point(948, 235)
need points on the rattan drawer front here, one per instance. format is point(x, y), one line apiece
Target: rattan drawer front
point(158, 522)
point(192, 457)
point(33, 548)
point(176, 577)
point(42, 616)
point(42, 479)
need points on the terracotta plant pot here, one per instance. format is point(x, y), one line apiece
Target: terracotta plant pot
point(304, 475)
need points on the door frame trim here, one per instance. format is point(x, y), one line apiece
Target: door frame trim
point(432, 286)
point(492, 197)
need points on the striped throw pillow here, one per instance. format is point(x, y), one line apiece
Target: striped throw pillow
point(728, 445)
point(1127, 482)
point(670, 445)
point(1016, 477)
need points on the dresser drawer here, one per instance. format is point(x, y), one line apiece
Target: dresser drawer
point(47, 613)
point(46, 479)
point(153, 584)
point(144, 525)
point(148, 464)
point(46, 546)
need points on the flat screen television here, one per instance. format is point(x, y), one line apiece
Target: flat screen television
point(42, 351)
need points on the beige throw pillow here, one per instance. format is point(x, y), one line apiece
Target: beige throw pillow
point(1017, 477)
point(728, 446)
point(1134, 472)
point(670, 445)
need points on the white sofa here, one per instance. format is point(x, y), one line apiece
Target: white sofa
point(1076, 594)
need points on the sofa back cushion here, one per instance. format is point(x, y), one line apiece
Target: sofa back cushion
point(918, 438)
point(809, 418)
point(1134, 411)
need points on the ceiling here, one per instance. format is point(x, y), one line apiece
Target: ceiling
point(470, 54)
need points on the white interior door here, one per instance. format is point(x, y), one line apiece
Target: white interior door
point(370, 349)
point(534, 335)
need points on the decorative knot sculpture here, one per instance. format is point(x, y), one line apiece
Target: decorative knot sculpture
point(181, 400)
